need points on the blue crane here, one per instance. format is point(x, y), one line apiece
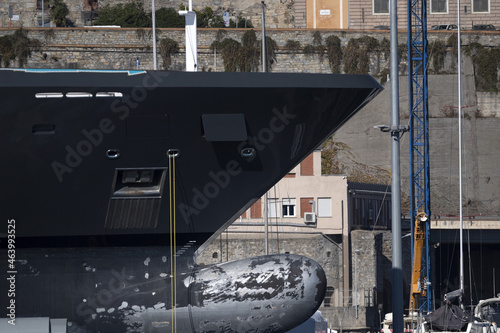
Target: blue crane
point(419, 142)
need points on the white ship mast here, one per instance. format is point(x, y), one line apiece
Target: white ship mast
point(191, 41)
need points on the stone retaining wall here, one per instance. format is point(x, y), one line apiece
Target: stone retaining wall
point(108, 48)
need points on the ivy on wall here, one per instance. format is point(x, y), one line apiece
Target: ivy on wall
point(338, 158)
point(17, 46)
point(436, 52)
point(167, 48)
point(244, 56)
point(316, 47)
point(365, 54)
point(486, 63)
point(334, 53)
point(358, 49)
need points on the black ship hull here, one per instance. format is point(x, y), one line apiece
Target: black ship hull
point(105, 165)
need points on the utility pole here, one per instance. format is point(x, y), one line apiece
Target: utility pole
point(264, 61)
point(153, 18)
point(397, 253)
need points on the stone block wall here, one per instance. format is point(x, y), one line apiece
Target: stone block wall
point(108, 48)
point(374, 267)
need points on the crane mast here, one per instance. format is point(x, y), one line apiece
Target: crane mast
point(418, 282)
point(419, 147)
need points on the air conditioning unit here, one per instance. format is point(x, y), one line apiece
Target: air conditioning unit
point(310, 218)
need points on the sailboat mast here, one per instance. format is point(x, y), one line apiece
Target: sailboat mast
point(397, 261)
point(264, 60)
point(264, 69)
point(460, 150)
point(191, 38)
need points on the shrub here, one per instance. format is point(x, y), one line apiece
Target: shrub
point(168, 18)
point(167, 48)
point(131, 14)
point(58, 12)
point(17, 46)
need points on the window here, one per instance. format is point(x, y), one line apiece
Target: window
point(381, 6)
point(480, 6)
point(273, 207)
point(328, 300)
point(439, 6)
point(324, 207)
point(288, 207)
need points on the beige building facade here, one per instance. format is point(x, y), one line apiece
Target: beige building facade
point(368, 14)
point(307, 202)
point(327, 14)
point(304, 201)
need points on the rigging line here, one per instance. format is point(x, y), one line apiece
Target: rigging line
point(171, 240)
point(275, 203)
point(380, 207)
point(451, 260)
point(386, 190)
point(175, 245)
point(278, 218)
point(470, 268)
point(285, 183)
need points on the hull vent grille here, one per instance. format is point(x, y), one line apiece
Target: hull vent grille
point(133, 213)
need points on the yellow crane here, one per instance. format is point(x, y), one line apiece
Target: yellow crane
point(418, 282)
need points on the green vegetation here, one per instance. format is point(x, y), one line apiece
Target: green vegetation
point(271, 47)
point(244, 56)
point(486, 64)
point(131, 14)
point(167, 48)
point(169, 18)
point(437, 51)
point(337, 158)
point(17, 46)
point(240, 22)
point(249, 52)
point(317, 46)
point(358, 49)
point(207, 19)
point(358, 60)
point(334, 53)
point(292, 45)
point(58, 13)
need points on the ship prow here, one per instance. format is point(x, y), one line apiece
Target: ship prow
point(113, 179)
